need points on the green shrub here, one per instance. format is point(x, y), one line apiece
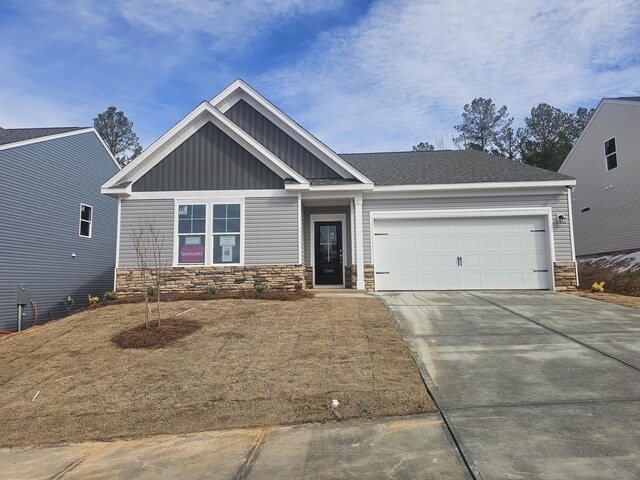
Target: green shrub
point(151, 291)
point(261, 287)
point(109, 296)
point(211, 289)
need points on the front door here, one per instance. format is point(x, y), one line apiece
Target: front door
point(328, 253)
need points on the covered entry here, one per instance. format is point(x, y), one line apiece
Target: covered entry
point(463, 250)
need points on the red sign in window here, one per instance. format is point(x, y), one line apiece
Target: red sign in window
point(192, 254)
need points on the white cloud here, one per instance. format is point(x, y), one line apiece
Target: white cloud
point(402, 74)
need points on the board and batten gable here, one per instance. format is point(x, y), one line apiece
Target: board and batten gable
point(278, 142)
point(612, 222)
point(557, 201)
point(41, 188)
point(270, 228)
point(208, 160)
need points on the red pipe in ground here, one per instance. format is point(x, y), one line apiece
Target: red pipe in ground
point(6, 332)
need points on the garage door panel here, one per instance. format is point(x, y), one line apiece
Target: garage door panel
point(448, 243)
point(500, 253)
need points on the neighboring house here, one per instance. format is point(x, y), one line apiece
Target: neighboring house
point(606, 162)
point(58, 234)
point(242, 194)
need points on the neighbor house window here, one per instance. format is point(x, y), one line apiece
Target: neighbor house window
point(86, 218)
point(610, 153)
point(226, 233)
point(192, 221)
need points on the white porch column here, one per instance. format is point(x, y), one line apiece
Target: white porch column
point(359, 243)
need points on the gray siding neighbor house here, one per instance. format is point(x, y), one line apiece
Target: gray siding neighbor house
point(606, 162)
point(241, 194)
point(58, 232)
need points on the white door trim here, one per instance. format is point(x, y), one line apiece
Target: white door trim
point(469, 213)
point(328, 217)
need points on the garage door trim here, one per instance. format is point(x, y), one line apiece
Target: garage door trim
point(468, 213)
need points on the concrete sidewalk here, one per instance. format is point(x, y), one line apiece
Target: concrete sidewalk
point(531, 384)
point(403, 447)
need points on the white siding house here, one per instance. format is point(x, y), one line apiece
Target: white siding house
point(606, 163)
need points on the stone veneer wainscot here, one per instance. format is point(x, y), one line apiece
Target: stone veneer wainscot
point(195, 279)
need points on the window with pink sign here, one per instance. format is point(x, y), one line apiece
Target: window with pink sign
point(192, 221)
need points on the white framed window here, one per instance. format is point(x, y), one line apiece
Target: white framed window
point(209, 232)
point(610, 154)
point(192, 229)
point(86, 220)
point(226, 233)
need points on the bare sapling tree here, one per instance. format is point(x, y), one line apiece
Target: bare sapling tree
point(158, 265)
point(138, 240)
point(148, 245)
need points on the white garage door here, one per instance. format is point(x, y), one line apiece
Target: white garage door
point(462, 253)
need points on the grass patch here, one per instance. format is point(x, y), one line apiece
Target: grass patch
point(250, 364)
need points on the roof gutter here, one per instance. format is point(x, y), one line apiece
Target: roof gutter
point(474, 186)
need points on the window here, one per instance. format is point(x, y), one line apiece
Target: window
point(191, 233)
point(585, 209)
point(610, 153)
point(86, 217)
point(226, 233)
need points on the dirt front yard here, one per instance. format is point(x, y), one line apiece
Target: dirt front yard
point(253, 363)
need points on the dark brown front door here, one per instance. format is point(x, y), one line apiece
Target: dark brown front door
point(328, 253)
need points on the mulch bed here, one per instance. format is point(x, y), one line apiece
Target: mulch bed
point(154, 336)
point(280, 295)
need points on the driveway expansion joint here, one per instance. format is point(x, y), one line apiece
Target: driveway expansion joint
point(568, 337)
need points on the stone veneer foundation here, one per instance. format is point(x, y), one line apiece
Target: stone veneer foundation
point(285, 277)
point(195, 279)
point(565, 276)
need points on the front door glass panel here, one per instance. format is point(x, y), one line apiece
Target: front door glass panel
point(328, 253)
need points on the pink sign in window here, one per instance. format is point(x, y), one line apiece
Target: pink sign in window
point(192, 254)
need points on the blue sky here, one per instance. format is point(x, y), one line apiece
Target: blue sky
point(361, 76)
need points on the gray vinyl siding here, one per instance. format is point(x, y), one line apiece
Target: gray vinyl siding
point(208, 160)
point(278, 142)
point(41, 188)
point(613, 224)
point(271, 230)
point(133, 214)
point(328, 210)
point(558, 203)
point(303, 229)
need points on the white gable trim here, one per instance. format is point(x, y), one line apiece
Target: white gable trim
point(183, 130)
point(240, 90)
point(61, 135)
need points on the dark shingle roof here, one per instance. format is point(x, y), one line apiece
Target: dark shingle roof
point(12, 135)
point(444, 167)
point(633, 99)
point(333, 181)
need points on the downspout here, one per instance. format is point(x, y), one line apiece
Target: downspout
point(573, 241)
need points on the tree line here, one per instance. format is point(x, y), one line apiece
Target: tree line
point(545, 140)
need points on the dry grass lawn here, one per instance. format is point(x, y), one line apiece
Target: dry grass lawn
point(253, 363)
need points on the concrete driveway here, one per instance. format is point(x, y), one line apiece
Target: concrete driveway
point(531, 384)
